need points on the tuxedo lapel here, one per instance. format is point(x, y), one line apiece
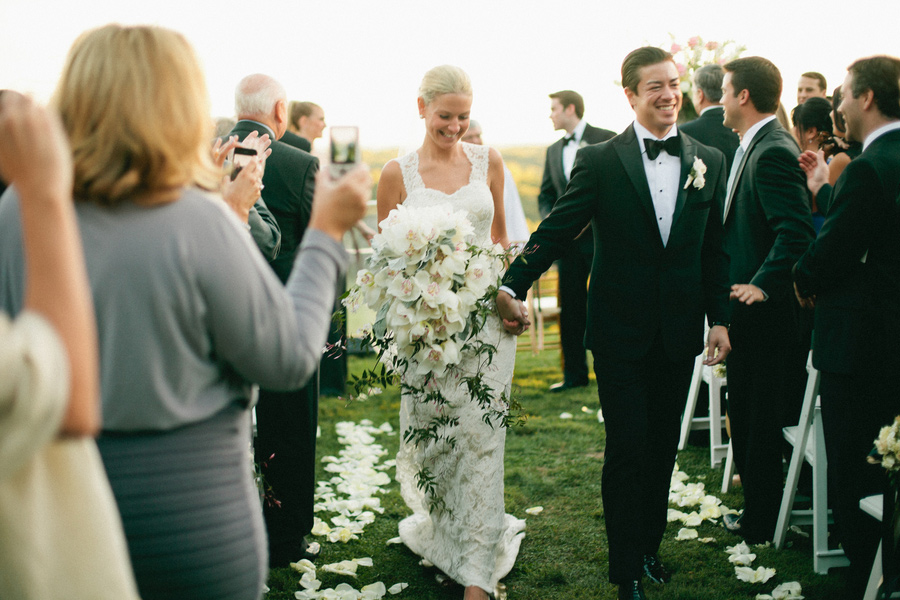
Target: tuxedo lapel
point(629, 152)
point(688, 153)
point(729, 200)
point(556, 167)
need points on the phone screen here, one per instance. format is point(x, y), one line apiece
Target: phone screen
point(344, 149)
point(241, 159)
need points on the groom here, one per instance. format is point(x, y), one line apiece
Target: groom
point(655, 201)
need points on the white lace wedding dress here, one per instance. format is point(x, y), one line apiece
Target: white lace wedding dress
point(474, 542)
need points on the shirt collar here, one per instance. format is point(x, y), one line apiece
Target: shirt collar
point(880, 132)
point(263, 125)
point(642, 132)
point(751, 133)
point(709, 108)
point(578, 132)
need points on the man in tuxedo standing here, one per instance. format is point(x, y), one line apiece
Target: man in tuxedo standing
point(567, 112)
point(709, 128)
point(768, 225)
point(286, 421)
point(655, 201)
point(851, 274)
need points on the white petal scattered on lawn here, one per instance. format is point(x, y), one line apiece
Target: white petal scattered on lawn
point(675, 515)
point(759, 575)
point(796, 529)
point(587, 410)
point(426, 563)
point(565, 415)
point(686, 534)
point(534, 510)
point(397, 588)
point(600, 415)
point(344, 567)
point(743, 560)
point(788, 591)
point(741, 548)
point(706, 540)
point(395, 540)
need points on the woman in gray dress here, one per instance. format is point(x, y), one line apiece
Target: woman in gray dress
point(188, 313)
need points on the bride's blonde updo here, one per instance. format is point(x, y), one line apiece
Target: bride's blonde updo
point(445, 79)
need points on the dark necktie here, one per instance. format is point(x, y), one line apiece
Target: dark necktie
point(567, 139)
point(671, 145)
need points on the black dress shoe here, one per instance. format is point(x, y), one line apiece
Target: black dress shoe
point(654, 570)
point(562, 386)
point(733, 524)
point(633, 590)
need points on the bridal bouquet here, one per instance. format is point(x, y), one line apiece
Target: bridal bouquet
point(432, 290)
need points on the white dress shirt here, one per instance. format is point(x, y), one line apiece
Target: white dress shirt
point(663, 175)
point(571, 149)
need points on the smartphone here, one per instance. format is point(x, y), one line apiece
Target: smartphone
point(241, 159)
point(344, 150)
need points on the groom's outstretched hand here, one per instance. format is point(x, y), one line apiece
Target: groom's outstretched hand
point(513, 313)
point(718, 345)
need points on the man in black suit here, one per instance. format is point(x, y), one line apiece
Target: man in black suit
point(768, 225)
point(654, 199)
point(567, 112)
point(851, 273)
point(709, 128)
point(286, 421)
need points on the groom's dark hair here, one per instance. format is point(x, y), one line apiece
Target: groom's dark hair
point(760, 77)
point(567, 97)
point(636, 60)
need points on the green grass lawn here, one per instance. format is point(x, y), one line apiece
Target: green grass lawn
point(554, 463)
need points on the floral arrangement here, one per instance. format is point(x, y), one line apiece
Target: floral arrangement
point(432, 290)
point(887, 448)
point(691, 56)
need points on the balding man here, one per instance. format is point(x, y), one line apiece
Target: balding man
point(286, 421)
point(709, 127)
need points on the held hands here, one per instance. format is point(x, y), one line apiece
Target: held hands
point(34, 151)
point(513, 313)
point(747, 293)
point(816, 169)
point(338, 205)
point(718, 345)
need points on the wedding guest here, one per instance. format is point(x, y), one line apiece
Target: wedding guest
point(708, 128)
point(851, 274)
point(516, 225)
point(767, 227)
point(61, 528)
point(286, 420)
point(811, 85)
point(662, 267)
point(567, 114)
point(844, 151)
point(188, 313)
point(813, 131)
point(305, 124)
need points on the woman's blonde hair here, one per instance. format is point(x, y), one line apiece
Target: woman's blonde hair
point(133, 101)
point(445, 79)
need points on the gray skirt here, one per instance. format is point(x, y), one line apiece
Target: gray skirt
point(190, 509)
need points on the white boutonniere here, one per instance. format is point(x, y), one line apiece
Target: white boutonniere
point(698, 170)
point(582, 144)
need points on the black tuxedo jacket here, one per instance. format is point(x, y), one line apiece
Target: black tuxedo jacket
point(769, 223)
point(639, 288)
point(708, 129)
point(553, 183)
point(853, 267)
point(289, 183)
point(292, 139)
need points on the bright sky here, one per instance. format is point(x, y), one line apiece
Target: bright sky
point(362, 60)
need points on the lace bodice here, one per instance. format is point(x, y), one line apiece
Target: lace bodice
point(475, 197)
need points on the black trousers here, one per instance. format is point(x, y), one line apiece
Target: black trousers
point(285, 449)
point(574, 269)
point(642, 403)
point(766, 381)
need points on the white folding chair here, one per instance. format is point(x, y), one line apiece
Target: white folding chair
point(715, 420)
point(808, 440)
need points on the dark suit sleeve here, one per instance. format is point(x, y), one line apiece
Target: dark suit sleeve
point(714, 259)
point(547, 195)
point(784, 200)
point(264, 230)
point(306, 196)
point(569, 217)
point(842, 241)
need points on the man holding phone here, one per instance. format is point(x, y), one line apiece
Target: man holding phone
point(286, 420)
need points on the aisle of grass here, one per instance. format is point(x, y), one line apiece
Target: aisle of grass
point(554, 463)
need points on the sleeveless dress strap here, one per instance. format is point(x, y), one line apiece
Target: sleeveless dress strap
point(478, 156)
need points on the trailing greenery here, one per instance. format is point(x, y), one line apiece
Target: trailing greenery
point(555, 463)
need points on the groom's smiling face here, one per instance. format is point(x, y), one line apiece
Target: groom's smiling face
point(658, 98)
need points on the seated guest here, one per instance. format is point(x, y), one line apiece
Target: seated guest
point(61, 529)
point(188, 313)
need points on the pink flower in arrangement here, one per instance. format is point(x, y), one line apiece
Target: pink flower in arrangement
point(681, 68)
point(692, 43)
point(712, 45)
point(675, 49)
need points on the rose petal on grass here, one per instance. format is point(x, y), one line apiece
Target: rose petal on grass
point(706, 540)
point(397, 588)
point(686, 534)
point(534, 510)
point(565, 415)
point(758, 575)
point(395, 540)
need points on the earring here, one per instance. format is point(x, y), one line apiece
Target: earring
point(421, 116)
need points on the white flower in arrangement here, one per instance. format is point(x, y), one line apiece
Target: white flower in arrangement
point(887, 444)
point(759, 575)
point(696, 176)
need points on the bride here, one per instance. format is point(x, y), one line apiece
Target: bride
point(473, 541)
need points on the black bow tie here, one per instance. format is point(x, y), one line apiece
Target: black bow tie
point(567, 139)
point(671, 145)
